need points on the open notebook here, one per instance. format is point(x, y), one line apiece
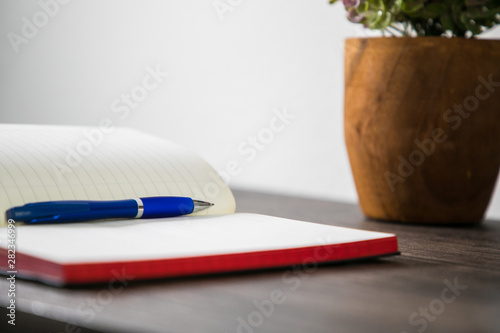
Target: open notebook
point(46, 163)
point(41, 163)
point(81, 253)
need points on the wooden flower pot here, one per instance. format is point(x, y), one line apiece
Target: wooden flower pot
point(422, 126)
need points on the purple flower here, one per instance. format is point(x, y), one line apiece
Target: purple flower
point(351, 3)
point(354, 16)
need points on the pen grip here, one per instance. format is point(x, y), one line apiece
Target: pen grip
point(73, 211)
point(95, 210)
point(166, 206)
point(112, 209)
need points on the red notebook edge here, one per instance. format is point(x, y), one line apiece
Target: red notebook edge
point(53, 273)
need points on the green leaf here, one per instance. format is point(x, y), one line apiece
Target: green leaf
point(396, 6)
point(434, 10)
point(447, 22)
point(382, 21)
point(469, 25)
point(410, 7)
point(381, 5)
point(476, 13)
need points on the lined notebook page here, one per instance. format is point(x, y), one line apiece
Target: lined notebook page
point(44, 163)
point(189, 236)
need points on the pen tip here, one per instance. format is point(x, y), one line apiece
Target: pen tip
point(200, 205)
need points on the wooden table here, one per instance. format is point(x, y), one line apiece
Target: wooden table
point(447, 279)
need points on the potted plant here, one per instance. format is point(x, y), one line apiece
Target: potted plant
point(422, 112)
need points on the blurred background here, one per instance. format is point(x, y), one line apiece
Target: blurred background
point(256, 82)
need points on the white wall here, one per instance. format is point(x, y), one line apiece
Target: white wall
point(226, 75)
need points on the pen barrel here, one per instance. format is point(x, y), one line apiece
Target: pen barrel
point(73, 211)
point(94, 210)
point(79, 210)
point(112, 209)
point(167, 206)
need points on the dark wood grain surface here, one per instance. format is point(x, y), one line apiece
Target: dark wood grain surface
point(447, 279)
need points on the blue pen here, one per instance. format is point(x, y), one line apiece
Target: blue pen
point(82, 210)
